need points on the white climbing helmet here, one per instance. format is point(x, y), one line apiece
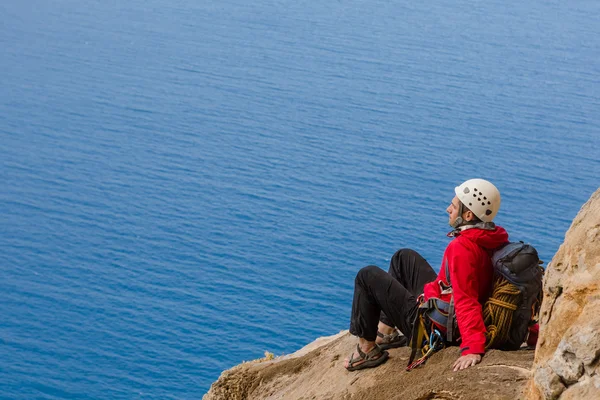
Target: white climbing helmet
point(481, 197)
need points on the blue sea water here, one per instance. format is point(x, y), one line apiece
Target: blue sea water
point(187, 184)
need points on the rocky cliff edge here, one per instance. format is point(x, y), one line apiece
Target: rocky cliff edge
point(567, 359)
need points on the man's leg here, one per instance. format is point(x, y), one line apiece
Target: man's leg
point(375, 291)
point(412, 271)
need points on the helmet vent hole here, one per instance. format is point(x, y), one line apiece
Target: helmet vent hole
point(479, 198)
point(485, 198)
point(474, 195)
point(470, 204)
point(480, 193)
point(475, 189)
point(489, 202)
point(466, 190)
point(483, 203)
point(488, 212)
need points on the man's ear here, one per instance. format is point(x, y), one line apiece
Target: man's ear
point(469, 216)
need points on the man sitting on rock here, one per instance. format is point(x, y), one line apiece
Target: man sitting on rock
point(384, 301)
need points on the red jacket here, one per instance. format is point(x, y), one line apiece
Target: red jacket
point(471, 275)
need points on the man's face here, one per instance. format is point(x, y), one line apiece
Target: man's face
point(452, 210)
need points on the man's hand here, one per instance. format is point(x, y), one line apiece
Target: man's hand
point(466, 361)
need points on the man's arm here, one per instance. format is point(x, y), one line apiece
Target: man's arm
point(462, 263)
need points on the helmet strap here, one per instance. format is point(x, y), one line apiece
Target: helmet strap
point(459, 221)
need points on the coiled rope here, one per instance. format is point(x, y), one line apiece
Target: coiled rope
point(498, 312)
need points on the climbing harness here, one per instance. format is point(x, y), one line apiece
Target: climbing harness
point(436, 343)
point(426, 336)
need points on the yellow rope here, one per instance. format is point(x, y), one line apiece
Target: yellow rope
point(498, 311)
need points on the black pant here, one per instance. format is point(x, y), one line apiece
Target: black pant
point(389, 296)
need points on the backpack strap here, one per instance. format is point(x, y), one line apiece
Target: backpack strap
point(451, 321)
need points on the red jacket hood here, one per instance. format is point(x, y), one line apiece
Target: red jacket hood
point(486, 238)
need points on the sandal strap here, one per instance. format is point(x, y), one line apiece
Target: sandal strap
point(375, 351)
point(361, 353)
point(361, 356)
point(389, 337)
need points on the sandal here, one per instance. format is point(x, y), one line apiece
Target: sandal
point(371, 359)
point(393, 340)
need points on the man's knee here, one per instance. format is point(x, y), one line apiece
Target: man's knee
point(402, 253)
point(367, 273)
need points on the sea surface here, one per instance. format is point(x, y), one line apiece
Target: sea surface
point(185, 185)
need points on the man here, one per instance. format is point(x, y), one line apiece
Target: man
point(384, 301)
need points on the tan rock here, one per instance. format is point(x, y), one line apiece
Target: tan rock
point(548, 383)
point(587, 388)
point(566, 359)
point(319, 374)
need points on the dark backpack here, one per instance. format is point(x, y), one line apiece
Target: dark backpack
point(519, 264)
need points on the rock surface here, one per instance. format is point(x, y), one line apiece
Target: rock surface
point(318, 373)
point(567, 357)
